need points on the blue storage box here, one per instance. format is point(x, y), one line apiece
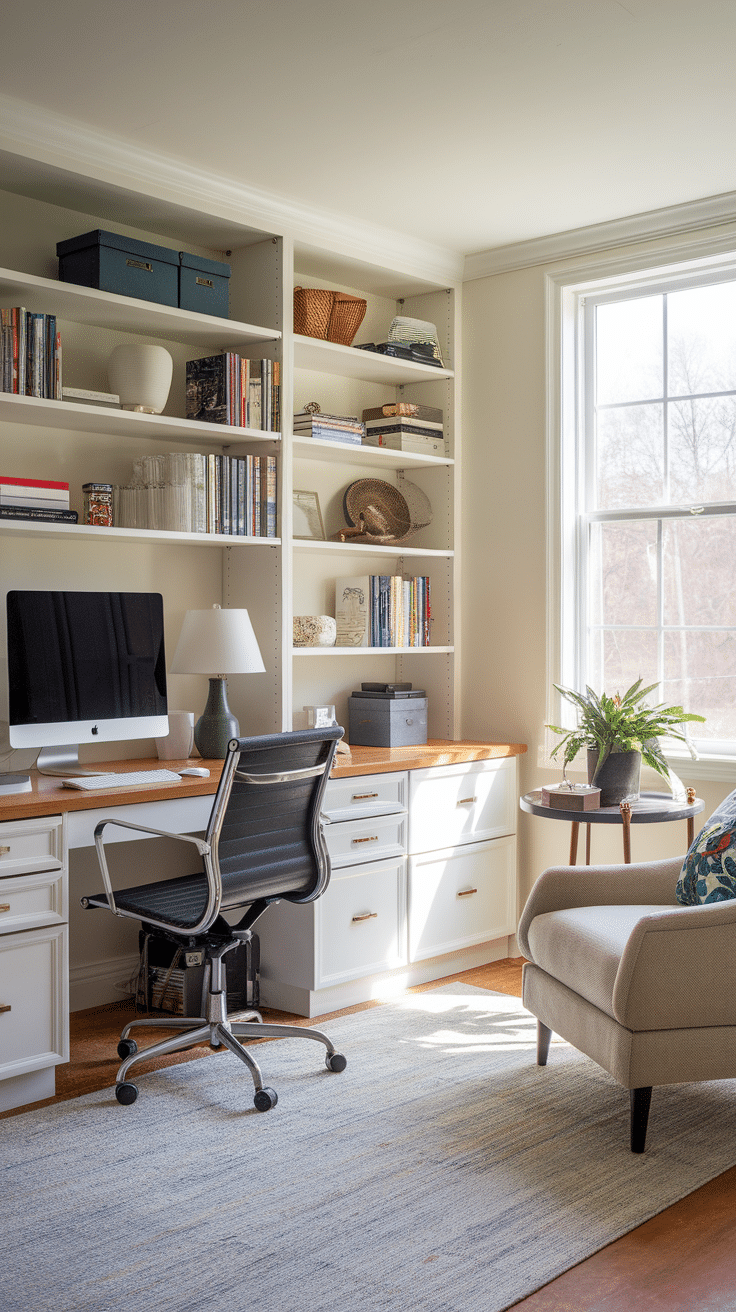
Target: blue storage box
point(123, 265)
point(203, 285)
point(387, 722)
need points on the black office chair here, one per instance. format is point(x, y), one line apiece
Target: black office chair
point(263, 842)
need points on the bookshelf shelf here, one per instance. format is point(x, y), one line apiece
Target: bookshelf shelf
point(368, 366)
point(86, 305)
point(81, 418)
point(372, 651)
point(377, 457)
point(368, 549)
point(71, 532)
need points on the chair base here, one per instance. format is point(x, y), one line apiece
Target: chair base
point(218, 1033)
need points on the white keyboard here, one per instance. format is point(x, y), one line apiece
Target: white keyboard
point(93, 783)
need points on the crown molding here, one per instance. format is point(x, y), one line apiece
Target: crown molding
point(89, 156)
point(671, 222)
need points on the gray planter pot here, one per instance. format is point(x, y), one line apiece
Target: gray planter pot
point(618, 777)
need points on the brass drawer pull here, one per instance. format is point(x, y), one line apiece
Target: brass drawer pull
point(369, 915)
point(5, 1006)
point(373, 839)
point(466, 892)
point(4, 906)
point(363, 797)
point(4, 851)
point(464, 801)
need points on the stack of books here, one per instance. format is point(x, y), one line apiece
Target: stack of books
point(405, 426)
point(229, 389)
point(31, 354)
point(186, 492)
point(382, 610)
point(35, 498)
point(333, 428)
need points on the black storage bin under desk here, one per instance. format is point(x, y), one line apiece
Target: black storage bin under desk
point(123, 265)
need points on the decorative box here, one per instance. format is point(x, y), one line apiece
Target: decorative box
point(204, 285)
point(581, 797)
point(123, 265)
point(385, 721)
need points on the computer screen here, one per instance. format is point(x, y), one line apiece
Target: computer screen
point(84, 667)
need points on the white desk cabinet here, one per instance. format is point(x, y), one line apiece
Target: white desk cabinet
point(423, 884)
point(34, 1006)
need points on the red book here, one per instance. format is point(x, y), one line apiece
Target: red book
point(33, 482)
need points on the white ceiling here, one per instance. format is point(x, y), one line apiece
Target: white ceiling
point(469, 124)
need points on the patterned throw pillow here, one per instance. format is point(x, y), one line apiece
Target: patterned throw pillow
point(709, 870)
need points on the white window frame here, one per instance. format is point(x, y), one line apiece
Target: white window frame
point(567, 291)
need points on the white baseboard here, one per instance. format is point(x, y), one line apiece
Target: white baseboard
point(318, 1002)
point(100, 982)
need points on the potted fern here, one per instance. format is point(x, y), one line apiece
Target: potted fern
point(619, 732)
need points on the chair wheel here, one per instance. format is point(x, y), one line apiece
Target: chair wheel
point(126, 1093)
point(265, 1099)
point(334, 1061)
point(126, 1048)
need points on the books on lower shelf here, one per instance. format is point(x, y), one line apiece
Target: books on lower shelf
point(187, 492)
point(230, 389)
point(332, 428)
point(33, 493)
point(31, 353)
point(383, 610)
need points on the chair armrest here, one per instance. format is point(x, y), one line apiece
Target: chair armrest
point(678, 969)
point(202, 847)
point(562, 887)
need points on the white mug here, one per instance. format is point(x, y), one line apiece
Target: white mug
point(177, 746)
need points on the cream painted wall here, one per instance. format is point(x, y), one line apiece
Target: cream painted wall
point(504, 540)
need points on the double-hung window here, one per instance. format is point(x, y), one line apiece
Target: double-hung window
point(650, 514)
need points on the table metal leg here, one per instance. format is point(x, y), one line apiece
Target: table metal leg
point(587, 844)
point(625, 809)
point(574, 842)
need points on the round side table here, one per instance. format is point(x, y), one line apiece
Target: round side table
point(649, 809)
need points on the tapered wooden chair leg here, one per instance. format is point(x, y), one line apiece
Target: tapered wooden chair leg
point(543, 1037)
point(639, 1100)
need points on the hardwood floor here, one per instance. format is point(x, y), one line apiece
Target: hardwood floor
point(683, 1260)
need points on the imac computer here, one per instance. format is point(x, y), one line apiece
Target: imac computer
point(84, 667)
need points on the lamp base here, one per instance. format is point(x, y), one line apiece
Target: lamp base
point(216, 725)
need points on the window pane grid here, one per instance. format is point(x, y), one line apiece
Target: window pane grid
point(658, 452)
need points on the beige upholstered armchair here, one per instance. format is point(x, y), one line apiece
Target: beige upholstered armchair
point(643, 985)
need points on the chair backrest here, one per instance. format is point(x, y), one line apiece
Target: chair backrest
point(264, 830)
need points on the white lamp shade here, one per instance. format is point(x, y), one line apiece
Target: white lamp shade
point(217, 642)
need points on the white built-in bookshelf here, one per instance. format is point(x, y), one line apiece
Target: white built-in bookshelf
point(275, 578)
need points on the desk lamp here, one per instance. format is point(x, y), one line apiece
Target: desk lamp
point(221, 640)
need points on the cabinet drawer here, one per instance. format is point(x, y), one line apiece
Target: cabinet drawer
point(361, 926)
point(356, 841)
point(462, 897)
point(458, 805)
point(366, 794)
point(30, 845)
point(32, 900)
point(33, 1001)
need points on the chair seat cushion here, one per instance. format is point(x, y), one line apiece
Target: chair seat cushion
point(709, 870)
point(582, 947)
point(180, 902)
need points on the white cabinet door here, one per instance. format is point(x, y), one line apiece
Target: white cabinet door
point(34, 1001)
point(361, 925)
point(461, 804)
point(461, 897)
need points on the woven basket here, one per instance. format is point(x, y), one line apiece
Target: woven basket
point(332, 316)
point(381, 513)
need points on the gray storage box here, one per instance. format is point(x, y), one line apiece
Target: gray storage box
point(387, 721)
point(123, 265)
point(204, 285)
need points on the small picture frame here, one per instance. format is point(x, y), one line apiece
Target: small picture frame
point(307, 517)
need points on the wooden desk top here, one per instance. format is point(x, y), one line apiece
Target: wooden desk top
point(49, 797)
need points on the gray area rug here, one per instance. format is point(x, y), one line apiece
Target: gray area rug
point(442, 1171)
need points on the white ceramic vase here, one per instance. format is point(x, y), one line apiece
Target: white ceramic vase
point(141, 376)
point(178, 745)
